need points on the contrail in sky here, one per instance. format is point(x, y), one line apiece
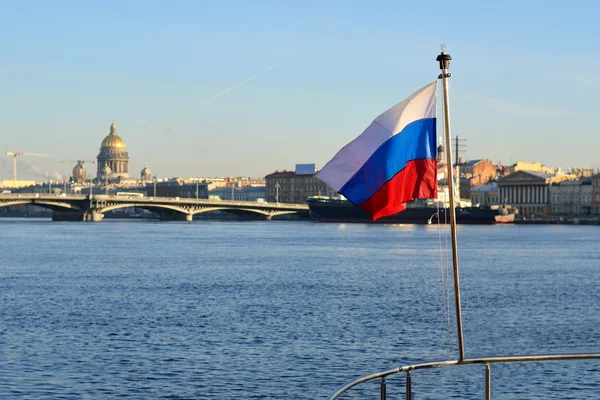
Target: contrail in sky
point(229, 89)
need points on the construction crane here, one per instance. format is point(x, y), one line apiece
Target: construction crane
point(82, 162)
point(17, 154)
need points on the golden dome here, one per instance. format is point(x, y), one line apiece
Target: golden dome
point(113, 140)
point(79, 172)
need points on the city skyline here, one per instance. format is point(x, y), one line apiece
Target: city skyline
point(244, 90)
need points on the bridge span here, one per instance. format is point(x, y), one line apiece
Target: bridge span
point(78, 207)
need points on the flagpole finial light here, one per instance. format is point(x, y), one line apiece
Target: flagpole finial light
point(444, 58)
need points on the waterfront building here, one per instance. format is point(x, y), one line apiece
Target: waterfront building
point(478, 171)
point(581, 172)
point(49, 187)
point(255, 193)
point(10, 184)
point(596, 194)
point(226, 193)
point(527, 191)
point(571, 197)
point(113, 159)
point(178, 188)
point(464, 188)
point(215, 183)
point(296, 186)
point(245, 193)
point(485, 195)
point(231, 193)
point(146, 174)
point(534, 167)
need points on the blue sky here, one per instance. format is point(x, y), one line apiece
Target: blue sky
point(245, 88)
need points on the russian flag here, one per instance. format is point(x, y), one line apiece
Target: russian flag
point(393, 161)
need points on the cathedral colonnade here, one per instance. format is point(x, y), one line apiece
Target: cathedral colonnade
point(528, 191)
point(531, 194)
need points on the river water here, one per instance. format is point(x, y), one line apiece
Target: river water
point(289, 310)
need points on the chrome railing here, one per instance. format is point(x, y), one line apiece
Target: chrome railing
point(452, 363)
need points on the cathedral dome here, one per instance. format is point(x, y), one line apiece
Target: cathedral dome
point(114, 156)
point(146, 173)
point(79, 172)
point(113, 140)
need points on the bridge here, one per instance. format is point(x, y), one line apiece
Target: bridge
point(81, 207)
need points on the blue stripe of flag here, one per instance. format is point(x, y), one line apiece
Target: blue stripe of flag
point(416, 141)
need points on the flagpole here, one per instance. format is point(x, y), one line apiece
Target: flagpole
point(444, 60)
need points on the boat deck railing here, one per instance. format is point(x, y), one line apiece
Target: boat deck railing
point(487, 361)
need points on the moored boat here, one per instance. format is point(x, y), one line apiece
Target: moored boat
point(325, 209)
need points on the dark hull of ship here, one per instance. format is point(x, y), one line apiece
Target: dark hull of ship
point(339, 211)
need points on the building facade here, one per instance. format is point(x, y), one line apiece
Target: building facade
point(534, 167)
point(596, 194)
point(571, 198)
point(478, 171)
point(528, 191)
point(177, 188)
point(113, 159)
point(247, 193)
point(290, 187)
point(485, 195)
point(146, 174)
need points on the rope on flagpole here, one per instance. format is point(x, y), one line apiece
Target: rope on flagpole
point(444, 267)
point(444, 62)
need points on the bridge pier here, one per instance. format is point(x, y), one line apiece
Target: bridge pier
point(176, 217)
point(68, 216)
point(93, 216)
point(97, 216)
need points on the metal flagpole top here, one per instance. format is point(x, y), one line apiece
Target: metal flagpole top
point(444, 60)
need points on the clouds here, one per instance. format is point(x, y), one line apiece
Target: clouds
point(28, 170)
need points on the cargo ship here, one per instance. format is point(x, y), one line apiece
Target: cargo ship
point(326, 209)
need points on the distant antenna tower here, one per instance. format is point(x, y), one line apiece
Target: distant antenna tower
point(460, 146)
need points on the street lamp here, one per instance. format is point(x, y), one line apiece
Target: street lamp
point(107, 171)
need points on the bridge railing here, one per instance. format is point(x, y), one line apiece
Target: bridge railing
point(153, 199)
point(148, 199)
point(43, 196)
point(188, 200)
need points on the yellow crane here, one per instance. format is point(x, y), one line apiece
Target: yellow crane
point(17, 154)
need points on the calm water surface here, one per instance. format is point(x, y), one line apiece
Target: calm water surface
point(289, 310)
